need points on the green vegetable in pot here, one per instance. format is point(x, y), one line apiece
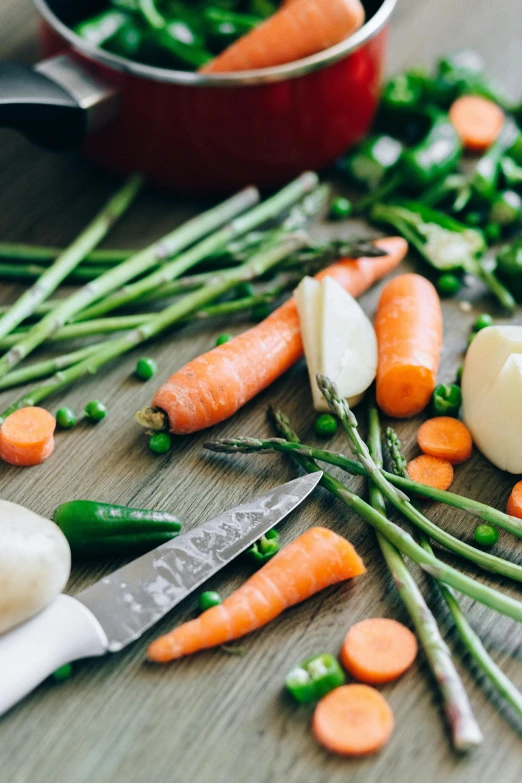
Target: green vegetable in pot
point(175, 46)
point(264, 549)
point(126, 42)
point(446, 400)
point(314, 678)
point(99, 528)
point(102, 27)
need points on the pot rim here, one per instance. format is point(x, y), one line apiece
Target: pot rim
point(260, 76)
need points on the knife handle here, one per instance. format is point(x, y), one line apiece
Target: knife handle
point(63, 632)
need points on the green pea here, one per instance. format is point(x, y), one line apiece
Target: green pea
point(223, 338)
point(486, 535)
point(244, 290)
point(493, 232)
point(208, 599)
point(260, 311)
point(146, 369)
point(160, 442)
point(482, 322)
point(340, 208)
point(66, 418)
point(63, 673)
point(448, 284)
point(325, 425)
point(95, 410)
point(459, 373)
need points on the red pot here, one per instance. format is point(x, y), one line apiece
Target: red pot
point(198, 133)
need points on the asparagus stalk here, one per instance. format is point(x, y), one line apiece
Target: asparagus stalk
point(71, 257)
point(465, 730)
point(40, 254)
point(22, 272)
point(173, 242)
point(45, 368)
point(469, 638)
point(393, 533)
point(241, 225)
point(402, 503)
point(176, 312)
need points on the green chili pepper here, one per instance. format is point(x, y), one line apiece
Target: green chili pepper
point(99, 528)
point(509, 266)
point(506, 208)
point(434, 157)
point(511, 172)
point(126, 42)
point(264, 549)
point(243, 23)
point(446, 400)
point(485, 177)
point(175, 45)
point(314, 678)
point(464, 72)
point(402, 92)
point(99, 29)
point(372, 161)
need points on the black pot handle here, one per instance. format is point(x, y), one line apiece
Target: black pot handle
point(55, 103)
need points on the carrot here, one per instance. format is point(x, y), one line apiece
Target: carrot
point(353, 720)
point(296, 30)
point(408, 325)
point(446, 438)
point(432, 471)
point(215, 385)
point(514, 504)
point(478, 121)
point(315, 560)
point(26, 437)
point(378, 650)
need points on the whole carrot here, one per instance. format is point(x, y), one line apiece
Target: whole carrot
point(315, 560)
point(214, 386)
point(409, 336)
point(297, 30)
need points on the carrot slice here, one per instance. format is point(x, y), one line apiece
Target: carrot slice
point(313, 561)
point(432, 471)
point(216, 384)
point(353, 720)
point(478, 121)
point(296, 30)
point(446, 438)
point(408, 325)
point(514, 504)
point(378, 650)
point(26, 437)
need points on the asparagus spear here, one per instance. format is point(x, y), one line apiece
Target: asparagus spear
point(45, 368)
point(401, 501)
point(21, 272)
point(17, 251)
point(71, 257)
point(176, 312)
point(393, 533)
point(469, 638)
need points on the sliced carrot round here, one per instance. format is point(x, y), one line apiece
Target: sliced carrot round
point(432, 471)
point(378, 650)
point(446, 438)
point(26, 437)
point(478, 121)
point(353, 720)
point(514, 504)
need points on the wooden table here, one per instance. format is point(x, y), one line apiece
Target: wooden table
point(216, 717)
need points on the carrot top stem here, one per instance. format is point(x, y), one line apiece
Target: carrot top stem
point(468, 637)
point(465, 730)
point(401, 501)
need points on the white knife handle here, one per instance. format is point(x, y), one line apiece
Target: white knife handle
point(63, 632)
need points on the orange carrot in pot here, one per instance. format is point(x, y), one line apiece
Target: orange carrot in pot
point(478, 121)
point(446, 438)
point(26, 437)
point(354, 720)
point(315, 560)
point(378, 650)
point(408, 325)
point(212, 387)
point(432, 471)
point(296, 30)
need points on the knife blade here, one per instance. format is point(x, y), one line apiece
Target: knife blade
point(132, 599)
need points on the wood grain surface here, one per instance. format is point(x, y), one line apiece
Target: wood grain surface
point(217, 717)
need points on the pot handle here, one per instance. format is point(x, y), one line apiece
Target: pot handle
point(55, 103)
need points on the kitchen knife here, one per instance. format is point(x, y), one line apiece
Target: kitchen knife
point(119, 608)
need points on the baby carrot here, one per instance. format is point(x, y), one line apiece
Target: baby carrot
point(432, 471)
point(408, 325)
point(353, 720)
point(514, 504)
point(315, 560)
point(26, 437)
point(378, 650)
point(478, 121)
point(212, 387)
point(297, 30)
point(446, 438)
